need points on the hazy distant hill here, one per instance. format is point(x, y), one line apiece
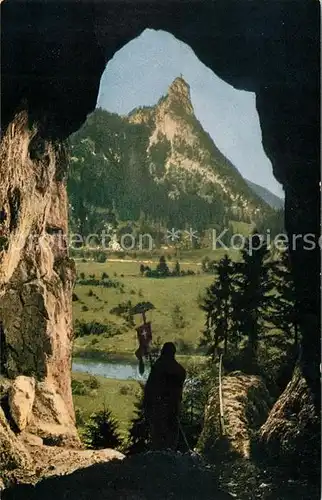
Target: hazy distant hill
point(270, 198)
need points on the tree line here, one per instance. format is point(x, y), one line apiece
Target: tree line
point(250, 303)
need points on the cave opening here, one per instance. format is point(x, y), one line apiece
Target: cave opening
point(137, 80)
point(283, 77)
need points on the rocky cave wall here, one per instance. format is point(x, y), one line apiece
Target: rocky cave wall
point(36, 281)
point(53, 55)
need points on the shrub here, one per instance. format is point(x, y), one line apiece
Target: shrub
point(100, 257)
point(105, 276)
point(79, 417)
point(93, 382)
point(79, 388)
point(90, 293)
point(124, 310)
point(177, 317)
point(75, 297)
point(205, 263)
point(125, 390)
point(92, 328)
point(106, 283)
point(84, 308)
point(101, 431)
point(82, 276)
point(152, 273)
point(183, 346)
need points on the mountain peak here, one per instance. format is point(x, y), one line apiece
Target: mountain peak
point(179, 86)
point(179, 90)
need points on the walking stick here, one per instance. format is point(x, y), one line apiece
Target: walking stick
point(184, 436)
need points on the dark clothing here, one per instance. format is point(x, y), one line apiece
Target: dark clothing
point(162, 398)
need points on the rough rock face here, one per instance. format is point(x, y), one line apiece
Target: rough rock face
point(46, 461)
point(21, 400)
point(292, 431)
point(36, 275)
point(246, 404)
point(13, 454)
point(50, 417)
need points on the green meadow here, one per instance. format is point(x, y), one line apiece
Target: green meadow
point(119, 395)
point(176, 317)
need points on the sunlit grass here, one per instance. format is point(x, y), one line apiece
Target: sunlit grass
point(165, 294)
point(117, 395)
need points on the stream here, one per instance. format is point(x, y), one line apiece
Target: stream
point(120, 371)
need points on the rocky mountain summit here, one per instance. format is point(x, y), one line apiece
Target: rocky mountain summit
point(177, 174)
point(191, 154)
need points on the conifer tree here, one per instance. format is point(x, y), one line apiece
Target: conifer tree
point(139, 431)
point(218, 305)
point(162, 268)
point(283, 314)
point(101, 431)
point(252, 299)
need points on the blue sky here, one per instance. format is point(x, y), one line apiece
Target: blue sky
point(142, 71)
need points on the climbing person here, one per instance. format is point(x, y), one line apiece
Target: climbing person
point(162, 399)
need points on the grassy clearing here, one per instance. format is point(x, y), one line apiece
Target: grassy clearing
point(117, 395)
point(165, 294)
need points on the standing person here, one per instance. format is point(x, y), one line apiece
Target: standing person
point(162, 399)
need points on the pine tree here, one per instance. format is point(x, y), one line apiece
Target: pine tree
point(162, 267)
point(139, 431)
point(283, 314)
point(101, 431)
point(252, 299)
point(177, 269)
point(218, 306)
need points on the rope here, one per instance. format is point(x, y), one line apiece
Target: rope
point(184, 436)
point(221, 406)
